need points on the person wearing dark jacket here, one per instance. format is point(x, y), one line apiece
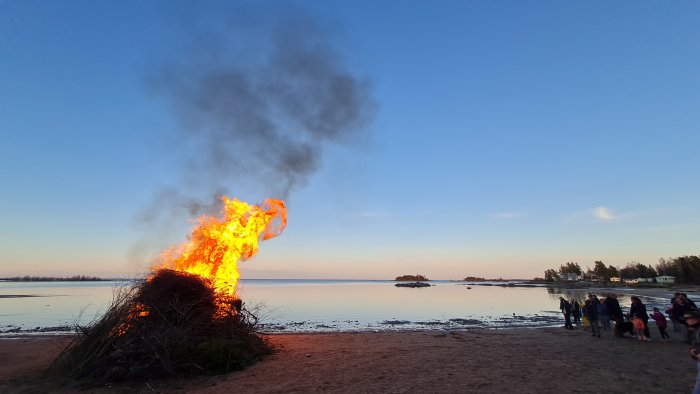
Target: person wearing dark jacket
point(603, 315)
point(689, 301)
point(565, 307)
point(615, 313)
point(591, 311)
point(576, 311)
point(679, 310)
point(637, 308)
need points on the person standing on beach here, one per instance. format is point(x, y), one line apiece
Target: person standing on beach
point(639, 328)
point(679, 310)
point(671, 316)
point(660, 320)
point(591, 310)
point(637, 308)
point(576, 311)
point(603, 315)
point(615, 313)
point(565, 307)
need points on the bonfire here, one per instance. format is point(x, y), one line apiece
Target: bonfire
point(186, 317)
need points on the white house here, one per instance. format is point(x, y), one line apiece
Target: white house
point(639, 280)
point(665, 279)
point(570, 277)
point(615, 279)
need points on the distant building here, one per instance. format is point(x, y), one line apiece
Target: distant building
point(570, 277)
point(615, 279)
point(639, 280)
point(591, 276)
point(665, 279)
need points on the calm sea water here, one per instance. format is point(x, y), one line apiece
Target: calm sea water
point(315, 305)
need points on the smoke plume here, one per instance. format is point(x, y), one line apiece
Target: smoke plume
point(261, 112)
point(258, 95)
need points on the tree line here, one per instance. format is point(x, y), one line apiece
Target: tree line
point(685, 269)
point(74, 278)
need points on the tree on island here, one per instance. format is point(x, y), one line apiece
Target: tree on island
point(74, 278)
point(474, 279)
point(416, 277)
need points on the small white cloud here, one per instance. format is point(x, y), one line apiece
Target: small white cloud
point(506, 215)
point(603, 213)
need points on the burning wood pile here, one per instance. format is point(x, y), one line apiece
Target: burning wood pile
point(186, 317)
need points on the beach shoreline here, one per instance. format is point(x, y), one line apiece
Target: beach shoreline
point(548, 316)
point(497, 360)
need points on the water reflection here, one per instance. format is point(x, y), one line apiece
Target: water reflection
point(623, 296)
point(53, 304)
point(381, 305)
point(308, 305)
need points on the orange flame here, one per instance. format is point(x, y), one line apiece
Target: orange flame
point(216, 245)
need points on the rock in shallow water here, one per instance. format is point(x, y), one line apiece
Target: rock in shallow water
point(412, 284)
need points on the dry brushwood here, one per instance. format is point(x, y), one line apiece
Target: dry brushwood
point(172, 324)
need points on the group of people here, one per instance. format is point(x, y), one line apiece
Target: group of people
point(684, 314)
point(596, 315)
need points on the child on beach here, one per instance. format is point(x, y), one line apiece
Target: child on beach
point(586, 323)
point(639, 328)
point(660, 320)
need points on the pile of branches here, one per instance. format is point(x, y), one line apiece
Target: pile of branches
point(172, 324)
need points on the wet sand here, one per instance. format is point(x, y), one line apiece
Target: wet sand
point(543, 360)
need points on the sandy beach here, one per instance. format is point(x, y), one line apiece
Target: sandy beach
point(549, 360)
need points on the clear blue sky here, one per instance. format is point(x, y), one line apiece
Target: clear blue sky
point(509, 137)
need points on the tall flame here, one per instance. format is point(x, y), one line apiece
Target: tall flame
point(217, 245)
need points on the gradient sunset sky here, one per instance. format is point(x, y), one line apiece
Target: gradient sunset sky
point(502, 137)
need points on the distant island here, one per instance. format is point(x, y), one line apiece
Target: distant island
point(478, 279)
point(411, 278)
point(74, 278)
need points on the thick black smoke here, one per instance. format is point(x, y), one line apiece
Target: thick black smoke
point(263, 115)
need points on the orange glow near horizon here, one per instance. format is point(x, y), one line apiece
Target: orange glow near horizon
point(216, 245)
